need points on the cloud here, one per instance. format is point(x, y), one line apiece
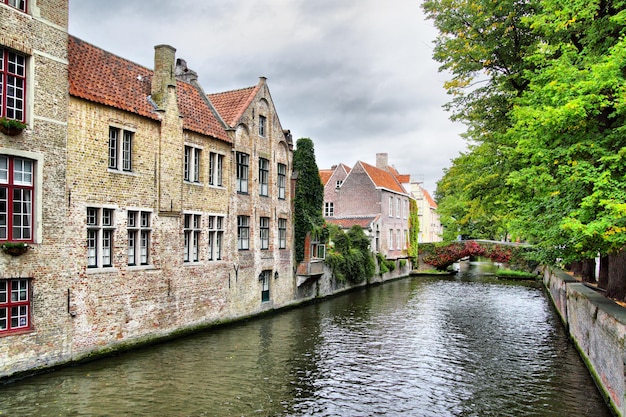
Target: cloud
point(355, 76)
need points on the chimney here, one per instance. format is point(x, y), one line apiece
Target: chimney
point(164, 73)
point(183, 72)
point(382, 160)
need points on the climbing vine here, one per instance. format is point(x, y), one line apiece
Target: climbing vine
point(414, 229)
point(349, 255)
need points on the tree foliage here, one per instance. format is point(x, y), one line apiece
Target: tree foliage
point(547, 164)
point(350, 256)
point(309, 195)
point(414, 229)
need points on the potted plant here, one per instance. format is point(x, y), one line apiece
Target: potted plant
point(11, 127)
point(14, 248)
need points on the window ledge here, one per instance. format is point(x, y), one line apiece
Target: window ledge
point(107, 270)
point(20, 332)
point(140, 267)
point(120, 172)
point(197, 184)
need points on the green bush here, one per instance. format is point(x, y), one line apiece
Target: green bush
point(349, 256)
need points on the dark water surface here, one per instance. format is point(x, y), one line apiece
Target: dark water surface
point(454, 346)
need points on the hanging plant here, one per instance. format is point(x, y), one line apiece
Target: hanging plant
point(11, 127)
point(14, 248)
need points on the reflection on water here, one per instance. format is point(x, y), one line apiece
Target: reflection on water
point(454, 346)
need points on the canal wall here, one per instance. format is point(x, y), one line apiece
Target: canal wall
point(597, 326)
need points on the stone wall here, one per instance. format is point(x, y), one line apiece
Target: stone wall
point(597, 326)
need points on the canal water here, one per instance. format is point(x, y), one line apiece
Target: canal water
point(467, 345)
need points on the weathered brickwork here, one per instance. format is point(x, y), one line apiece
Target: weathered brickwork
point(41, 36)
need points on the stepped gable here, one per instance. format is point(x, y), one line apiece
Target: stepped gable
point(383, 179)
point(232, 104)
point(102, 77)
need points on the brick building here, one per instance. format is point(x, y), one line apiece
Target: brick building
point(148, 206)
point(372, 197)
point(34, 320)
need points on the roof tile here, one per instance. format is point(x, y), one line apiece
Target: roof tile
point(383, 178)
point(231, 104)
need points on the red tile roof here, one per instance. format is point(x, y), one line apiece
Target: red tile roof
point(346, 223)
point(231, 104)
point(428, 198)
point(102, 77)
point(382, 178)
point(325, 175)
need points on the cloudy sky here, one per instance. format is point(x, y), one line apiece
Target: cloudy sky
point(356, 76)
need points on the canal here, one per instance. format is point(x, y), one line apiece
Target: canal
point(468, 345)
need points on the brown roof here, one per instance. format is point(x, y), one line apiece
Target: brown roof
point(428, 198)
point(325, 175)
point(102, 77)
point(231, 104)
point(383, 178)
point(346, 223)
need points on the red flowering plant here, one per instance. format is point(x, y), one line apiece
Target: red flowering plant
point(442, 256)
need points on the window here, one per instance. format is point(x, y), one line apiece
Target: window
point(120, 154)
point(329, 209)
point(390, 239)
point(264, 176)
point(192, 164)
point(16, 198)
point(282, 233)
point(12, 83)
point(318, 250)
point(406, 208)
point(14, 305)
point(139, 228)
point(100, 228)
point(18, 4)
point(191, 229)
point(282, 181)
point(216, 237)
point(398, 239)
point(338, 183)
point(264, 228)
point(398, 208)
point(262, 125)
point(264, 277)
point(243, 232)
point(243, 161)
point(216, 162)
point(390, 206)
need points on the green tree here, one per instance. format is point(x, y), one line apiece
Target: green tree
point(309, 195)
point(414, 230)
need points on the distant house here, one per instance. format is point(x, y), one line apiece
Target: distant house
point(372, 197)
point(430, 226)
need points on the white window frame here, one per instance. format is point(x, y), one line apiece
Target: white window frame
point(216, 169)
point(243, 232)
point(139, 229)
point(100, 222)
point(192, 230)
point(120, 149)
point(264, 232)
point(192, 162)
point(390, 239)
point(264, 177)
point(216, 237)
point(398, 208)
point(390, 206)
point(329, 209)
point(243, 172)
point(282, 181)
point(282, 233)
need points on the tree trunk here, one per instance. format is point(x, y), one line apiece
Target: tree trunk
point(603, 275)
point(588, 272)
point(616, 287)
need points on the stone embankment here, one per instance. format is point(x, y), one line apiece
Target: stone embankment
point(597, 326)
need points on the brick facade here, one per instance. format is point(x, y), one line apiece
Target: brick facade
point(84, 302)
